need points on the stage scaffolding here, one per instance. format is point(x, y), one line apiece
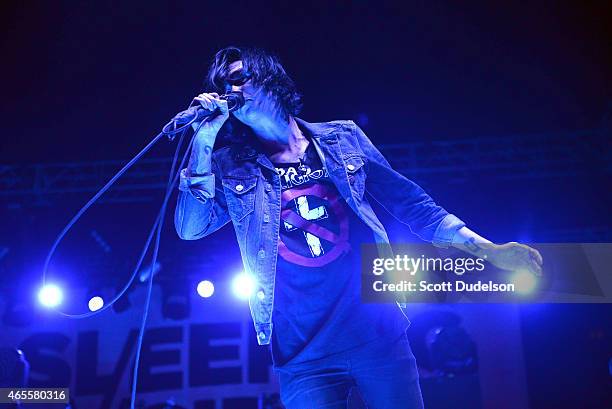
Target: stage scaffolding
point(450, 161)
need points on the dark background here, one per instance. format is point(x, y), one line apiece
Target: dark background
point(89, 81)
point(92, 80)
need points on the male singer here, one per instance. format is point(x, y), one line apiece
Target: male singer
point(296, 194)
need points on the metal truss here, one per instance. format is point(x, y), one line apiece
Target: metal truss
point(453, 161)
point(516, 157)
point(45, 184)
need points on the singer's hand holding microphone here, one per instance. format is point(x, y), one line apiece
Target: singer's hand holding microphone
point(208, 131)
point(214, 111)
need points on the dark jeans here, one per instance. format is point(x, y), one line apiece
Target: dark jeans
point(384, 372)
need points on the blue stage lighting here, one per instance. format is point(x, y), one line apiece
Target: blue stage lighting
point(50, 296)
point(243, 285)
point(95, 303)
point(524, 281)
point(205, 288)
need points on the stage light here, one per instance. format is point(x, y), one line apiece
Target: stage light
point(205, 288)
point(524, 281)
point(50, 296)
point(243, 286)
point(95, 303)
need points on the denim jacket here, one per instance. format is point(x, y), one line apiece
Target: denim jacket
point(244, 187)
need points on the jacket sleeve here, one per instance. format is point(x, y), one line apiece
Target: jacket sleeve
point(404, 199)
point(201, 208)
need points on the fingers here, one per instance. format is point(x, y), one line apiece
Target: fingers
point(211, 101)
point(537, 256)
point(222, 105)
point(536, 261)
point(528, 257)
point(536, 268)
point(206, 100)
point(533, 259)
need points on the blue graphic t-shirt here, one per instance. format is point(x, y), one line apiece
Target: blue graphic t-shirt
point(317, 308)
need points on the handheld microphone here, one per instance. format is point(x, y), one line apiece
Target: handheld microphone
point(235, 100)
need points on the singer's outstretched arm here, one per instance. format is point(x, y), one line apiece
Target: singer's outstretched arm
point(406, 200)
point(411, 205)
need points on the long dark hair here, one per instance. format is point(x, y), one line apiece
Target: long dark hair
point(266, 71)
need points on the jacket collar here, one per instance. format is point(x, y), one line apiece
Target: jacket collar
point(317, 130)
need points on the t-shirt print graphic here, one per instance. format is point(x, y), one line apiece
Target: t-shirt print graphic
point(314, 226)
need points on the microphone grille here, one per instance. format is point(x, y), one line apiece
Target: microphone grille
point(235, 100)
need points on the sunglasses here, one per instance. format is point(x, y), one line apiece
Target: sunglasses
point(237, 78)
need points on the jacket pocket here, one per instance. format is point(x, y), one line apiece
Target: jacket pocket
point(354, 166)
point(240, 195)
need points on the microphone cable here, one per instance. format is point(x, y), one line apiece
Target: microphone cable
point(171, 130)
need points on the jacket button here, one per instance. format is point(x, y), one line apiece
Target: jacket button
point(261, 253)
point(266, 218)
point(268, 187)
point(239, 188)
point(261, 335)
point(260, 294)
point(350, 167)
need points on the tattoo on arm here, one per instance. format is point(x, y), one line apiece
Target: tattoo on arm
point(472, 246)
point(207, 149)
